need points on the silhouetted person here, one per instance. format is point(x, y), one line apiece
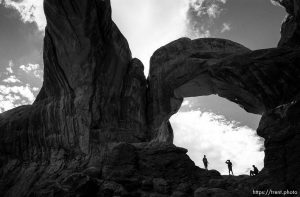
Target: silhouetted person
point(229, 164)
point(205, 162)
point(254, 172)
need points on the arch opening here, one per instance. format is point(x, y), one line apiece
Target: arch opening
point(221, 130)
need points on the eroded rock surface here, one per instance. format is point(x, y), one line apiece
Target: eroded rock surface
point(290, 30)
point(256, 80)
point(93, 91)
point(280, 129)
point(99, 128)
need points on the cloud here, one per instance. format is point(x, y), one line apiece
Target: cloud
point(225, 27)
point(219, 139)
point(11, 79)
point(30, 11)
point(33, 69)
point(185, 103)
point(10, 65)
point(221, 106)
point(24, 91)
point(213, 11)
point(17, 85)
point(150, 24)
point(210, 8)
point(29, 67)
point(160, 22)
point(13, 96)
point(35, 89)
point(201, 16)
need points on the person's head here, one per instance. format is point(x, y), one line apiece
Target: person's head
point(253, 166)
point(204, 156)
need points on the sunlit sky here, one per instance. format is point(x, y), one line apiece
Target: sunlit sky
point(205, 125)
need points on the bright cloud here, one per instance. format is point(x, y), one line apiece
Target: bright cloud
point(9, 68)
point(213, 11)
point(30, 11)
point(13, 96)
point(225, 27)
point(34, 69)
point(211, 8)
point(185, 103)
point(150, 24)
point(35, 89)
point(201, 16)
point(29, 67)
point(11, 79)
point(6, 104)
point(205, 133)
point(24, 91)
point(15, 88)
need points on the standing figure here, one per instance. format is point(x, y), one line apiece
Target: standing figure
point(205, 162)
point(254, 172)
point(229, 164)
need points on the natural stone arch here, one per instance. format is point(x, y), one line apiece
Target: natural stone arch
point(256, 80)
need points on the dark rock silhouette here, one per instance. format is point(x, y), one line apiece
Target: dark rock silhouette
point(290, 29)
point(99, 128)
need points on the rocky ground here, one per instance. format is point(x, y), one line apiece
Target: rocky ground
point(129, 170)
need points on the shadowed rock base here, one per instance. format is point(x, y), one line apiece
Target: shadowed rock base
point(127, 170)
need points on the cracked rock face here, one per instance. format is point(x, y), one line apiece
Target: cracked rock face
point(99, 128)
point(94, 65)
point(280, 129)
point(93, 91)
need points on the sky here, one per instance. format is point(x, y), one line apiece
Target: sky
point(207, 125)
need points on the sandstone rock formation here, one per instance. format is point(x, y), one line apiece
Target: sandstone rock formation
point(290, 30)
point(258, 81)
point(280, 129)
point(99, 128)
